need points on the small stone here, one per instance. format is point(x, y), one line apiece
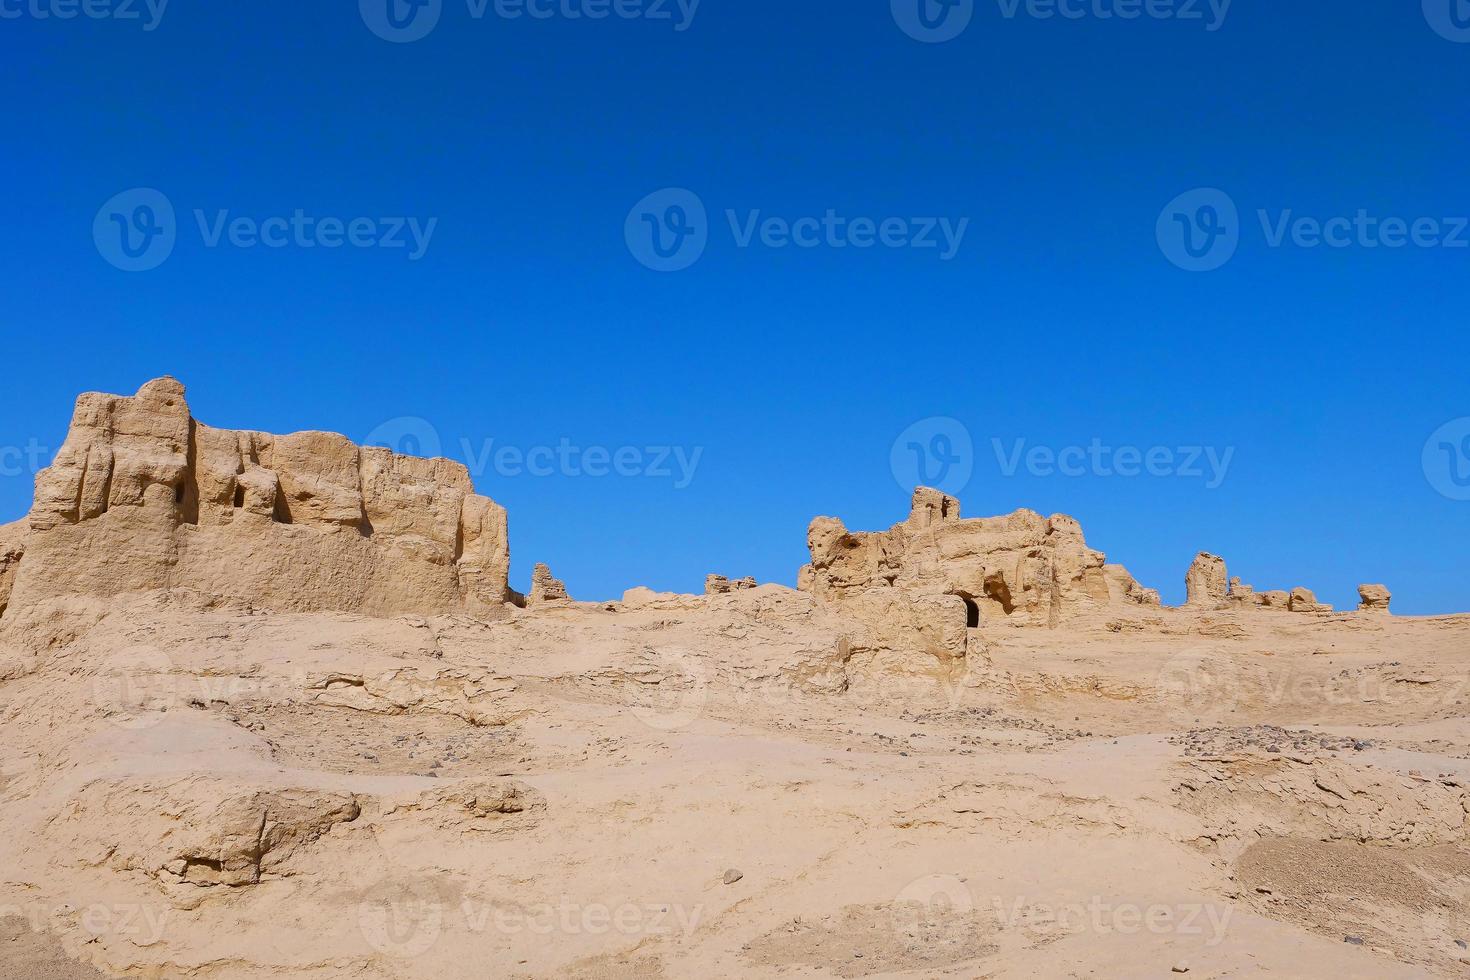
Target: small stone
point(1462, 944)
point(1353, 940)
point(1181, 967)
point(733, 876)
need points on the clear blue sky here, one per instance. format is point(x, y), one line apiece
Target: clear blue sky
point(528, 319)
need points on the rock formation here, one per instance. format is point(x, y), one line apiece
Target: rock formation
point(545, 587)
point(1371, 598)
point(1022, 568)
point(12, 547)
point(1206, 583)
point(720, 585)
point(142, 496)
point(1305, 600)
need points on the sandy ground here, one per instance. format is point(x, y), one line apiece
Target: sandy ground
point(710, 788)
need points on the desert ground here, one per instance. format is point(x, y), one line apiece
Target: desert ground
point(962, 748)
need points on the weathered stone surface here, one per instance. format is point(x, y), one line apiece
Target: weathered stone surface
point(1374, 598)
point(1021, 568)
point(720, 585)
point(545, 587)
point(12, 548)
point(198, 830)
point(1278, 599)
point(1206, 583)
point(142, 496)
point(1305, 600)
point(1123, 587)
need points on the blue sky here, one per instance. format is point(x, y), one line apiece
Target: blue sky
point(530, 151)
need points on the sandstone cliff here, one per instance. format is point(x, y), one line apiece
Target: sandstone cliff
point(143, 497)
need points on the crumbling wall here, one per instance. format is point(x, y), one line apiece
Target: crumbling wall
point(546, 587)
point(720, 585)
point(141, 496)
point(1021, 568)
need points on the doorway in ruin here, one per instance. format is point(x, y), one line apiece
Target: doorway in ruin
point(972, 610)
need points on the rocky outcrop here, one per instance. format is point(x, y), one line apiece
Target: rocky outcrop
point(1022, 569)
point(1206, 583)
point(142, 496)
point(1123, 587)
point(720, 585)
point(196, 829)
point(12, 548)
point(1374, 598)
point(545, 587)
point(1305, 600)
